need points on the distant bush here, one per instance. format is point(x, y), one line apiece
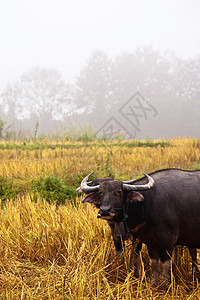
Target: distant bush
point(11, 188)
point(6, 191)
point(54, 190)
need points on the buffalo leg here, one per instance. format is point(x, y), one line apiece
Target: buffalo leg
point(135, 253)
point(193, 254)
point(155, 278)
point(118, 234)
point(157, 258)
point(135, 258)
point(154, 263)
point(119, 244)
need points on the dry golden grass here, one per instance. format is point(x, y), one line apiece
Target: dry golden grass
point(124, 161)
point(63, 253)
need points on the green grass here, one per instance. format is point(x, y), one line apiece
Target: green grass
point(75, 145)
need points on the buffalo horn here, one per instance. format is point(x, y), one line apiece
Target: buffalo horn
point(147, 186)
point(129, 181)
point(86, 188)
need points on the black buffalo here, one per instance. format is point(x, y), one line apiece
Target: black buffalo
point(162, 210)
point(118, 229)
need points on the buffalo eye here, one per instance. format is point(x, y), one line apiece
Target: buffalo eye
point(101, 193)
point(118, 192)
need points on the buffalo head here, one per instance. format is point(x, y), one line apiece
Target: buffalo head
point(111, 196)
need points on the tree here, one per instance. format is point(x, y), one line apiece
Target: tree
point(41, 95)
point(172, 85)
point(93, 94)
point(145, 71)
point(2, 123)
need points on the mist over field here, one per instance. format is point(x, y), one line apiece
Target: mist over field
point(137, 95)
point(111, 69)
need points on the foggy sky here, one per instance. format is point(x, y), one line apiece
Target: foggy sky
point(62, 34)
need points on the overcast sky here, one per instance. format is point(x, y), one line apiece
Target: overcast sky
point(62, 34)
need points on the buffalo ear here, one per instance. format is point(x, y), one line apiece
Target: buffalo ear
point(134, 197)
point(93, 198)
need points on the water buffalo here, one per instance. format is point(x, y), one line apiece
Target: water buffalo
point(118, 229)
point(162, 210)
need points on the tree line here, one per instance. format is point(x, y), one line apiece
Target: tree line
point(42, 100)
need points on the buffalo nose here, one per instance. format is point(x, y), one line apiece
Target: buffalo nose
point(104, 212)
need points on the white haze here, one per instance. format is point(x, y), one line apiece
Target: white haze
point(62, 34)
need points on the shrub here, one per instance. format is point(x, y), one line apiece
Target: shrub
point(53, 189)
point(6, 191)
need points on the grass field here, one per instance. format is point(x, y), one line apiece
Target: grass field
point(51, 251)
